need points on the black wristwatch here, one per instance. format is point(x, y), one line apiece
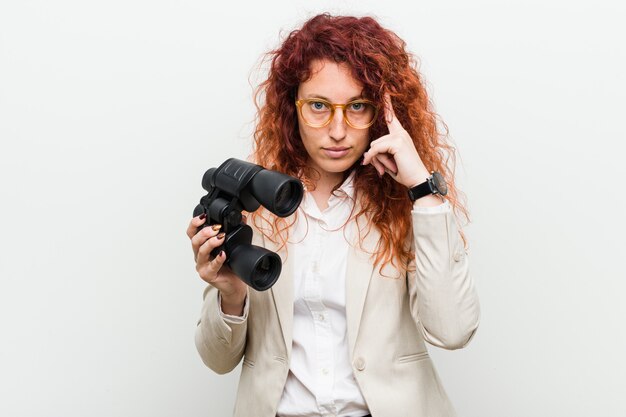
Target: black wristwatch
point(435, 184)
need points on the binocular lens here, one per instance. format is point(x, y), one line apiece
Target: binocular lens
point(256, 266)
point(287, 196)
point(279, 193)
point(264, 275)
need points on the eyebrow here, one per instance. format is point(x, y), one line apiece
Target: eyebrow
point(359, 97)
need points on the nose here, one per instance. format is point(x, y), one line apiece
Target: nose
point(337, 126)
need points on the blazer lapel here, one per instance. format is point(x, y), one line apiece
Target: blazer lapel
point(282, 291)
point(358, 277)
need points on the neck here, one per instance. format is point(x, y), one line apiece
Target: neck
point(324, 188)
point(328, 181)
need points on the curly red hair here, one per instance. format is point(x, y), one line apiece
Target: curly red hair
point(379, 61)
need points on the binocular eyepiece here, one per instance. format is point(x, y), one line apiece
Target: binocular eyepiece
point(239, 185)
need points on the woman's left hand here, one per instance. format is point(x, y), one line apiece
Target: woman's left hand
point(395, 153)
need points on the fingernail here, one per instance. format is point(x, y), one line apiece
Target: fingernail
point(216, 227)
point(203, 216)
point(222, 254)
point(221, 235)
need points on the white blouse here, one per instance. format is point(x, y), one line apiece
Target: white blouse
point(321, 381)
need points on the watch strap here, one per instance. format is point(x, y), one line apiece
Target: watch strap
point(420, 190)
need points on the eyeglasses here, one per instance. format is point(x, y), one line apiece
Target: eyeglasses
point(317, 112)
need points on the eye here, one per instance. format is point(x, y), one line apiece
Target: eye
point(318, 105)
point(357, 106)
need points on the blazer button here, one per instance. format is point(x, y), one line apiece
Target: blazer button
point(458, 256)
point(359, 364)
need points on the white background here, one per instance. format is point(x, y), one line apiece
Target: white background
point(111, 111)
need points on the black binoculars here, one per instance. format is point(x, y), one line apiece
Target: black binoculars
point(238, 185)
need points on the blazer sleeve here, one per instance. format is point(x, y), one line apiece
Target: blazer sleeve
point(442, 294)
point(219, 342)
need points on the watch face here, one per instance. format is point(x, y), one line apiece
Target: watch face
point(440, 183)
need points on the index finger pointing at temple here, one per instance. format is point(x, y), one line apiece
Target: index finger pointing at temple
point(393, 124)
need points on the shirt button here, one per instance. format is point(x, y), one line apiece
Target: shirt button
point(458, 256)
point(325, 371)
point(359, 364)
point(320, 317)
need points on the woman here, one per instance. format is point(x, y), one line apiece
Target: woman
point(373, 262)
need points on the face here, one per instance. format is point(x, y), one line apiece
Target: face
point(337, 146)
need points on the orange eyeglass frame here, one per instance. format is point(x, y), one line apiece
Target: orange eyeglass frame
point(334, 106)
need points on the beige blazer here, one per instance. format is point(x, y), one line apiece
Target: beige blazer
point(389, 317)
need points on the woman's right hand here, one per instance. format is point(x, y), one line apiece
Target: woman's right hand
point(212, 269)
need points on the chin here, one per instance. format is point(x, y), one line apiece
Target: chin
point(337, 166)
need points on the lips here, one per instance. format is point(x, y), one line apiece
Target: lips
point(336, 151)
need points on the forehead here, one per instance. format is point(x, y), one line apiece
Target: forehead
point(331, 80)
